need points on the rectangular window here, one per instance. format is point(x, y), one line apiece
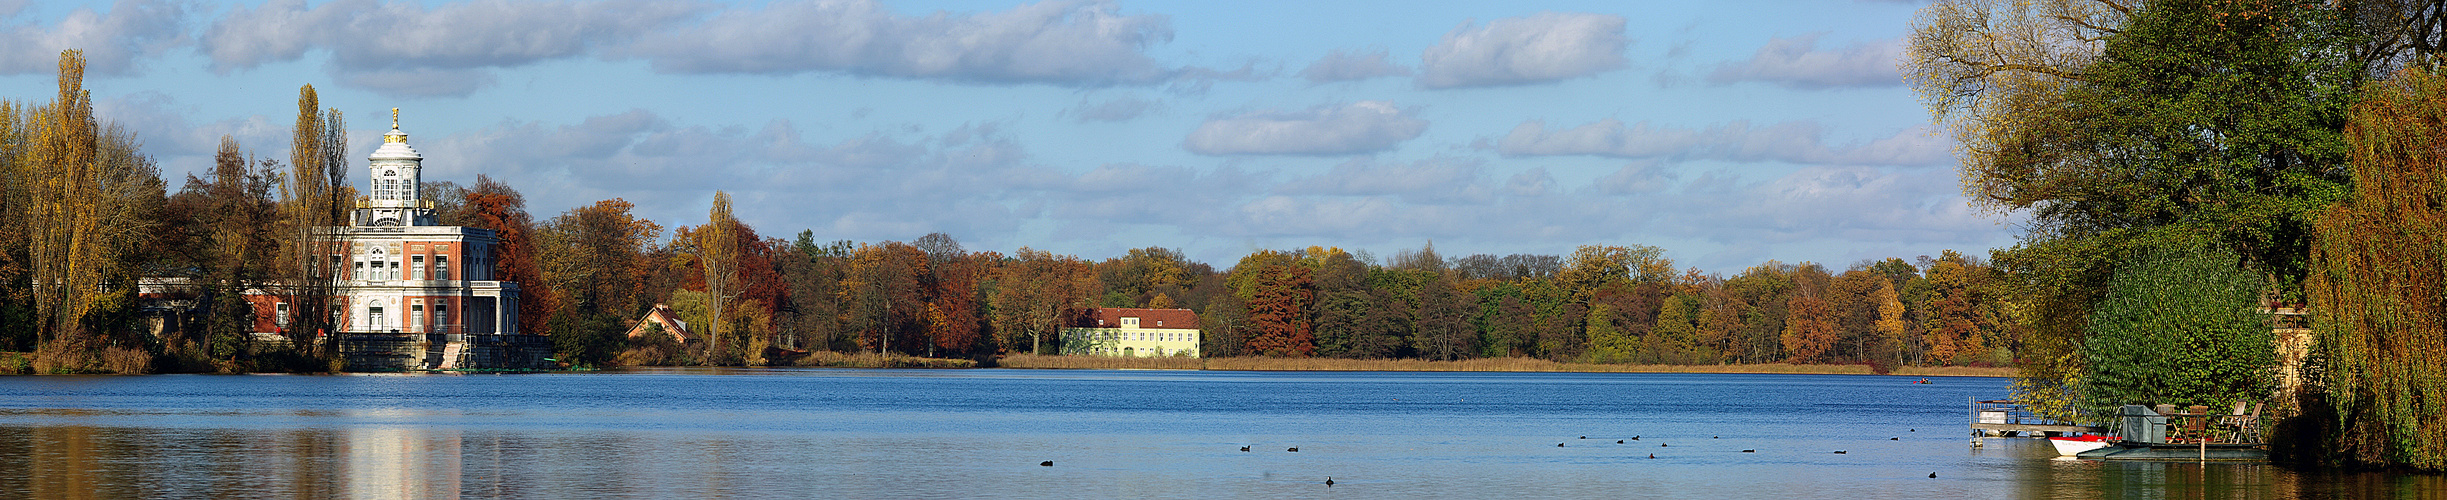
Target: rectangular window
point(416, 267)
point(416, 317)
point(373, 319)
point(441, 267)
point(280, 314)
point(441, 316)
point(394, 274)
point(360, 272)
point(336, 265)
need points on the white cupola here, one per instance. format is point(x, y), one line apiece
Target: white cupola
point(395, 174)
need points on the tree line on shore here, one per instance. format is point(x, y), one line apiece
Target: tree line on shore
point(754, 298)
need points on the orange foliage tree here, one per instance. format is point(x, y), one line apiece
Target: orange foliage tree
point(495, 206)
point(1278, 310)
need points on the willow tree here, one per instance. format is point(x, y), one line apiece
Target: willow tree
point(2118, 126)
point(314, 199)
point(86, 193)
point(2379, 281)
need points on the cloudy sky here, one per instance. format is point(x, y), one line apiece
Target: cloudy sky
point(1728, 133)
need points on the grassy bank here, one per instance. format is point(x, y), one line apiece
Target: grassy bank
point(1471, 365)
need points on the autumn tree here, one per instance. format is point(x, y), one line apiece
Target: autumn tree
point(86, 191)
point(314, 199)
point(954, 319)
point(1677, 331)
point(717, 257)
point(814, 272)
point(2118, 127)
point(1279, 292)
point(1140, 274)
point(1960, 324)
point(1348, 311)
point(1891, 333)
point(220, 234)
point(1222, 325)
point(1594, 267)
point(1441, 322)
point(1809, 325)
point(595, 255)
point(494, 206)
point(1037, 293)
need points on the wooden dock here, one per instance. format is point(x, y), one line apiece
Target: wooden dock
point(2003, 418)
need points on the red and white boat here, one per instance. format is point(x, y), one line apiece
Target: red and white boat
point(2071, 445)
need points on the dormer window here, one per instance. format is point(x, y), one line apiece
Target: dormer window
point(1130, 322)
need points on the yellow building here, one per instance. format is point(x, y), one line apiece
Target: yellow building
point(1133, 332)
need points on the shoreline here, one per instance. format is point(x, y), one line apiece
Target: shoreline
point(1037, 362)
point(826, 359)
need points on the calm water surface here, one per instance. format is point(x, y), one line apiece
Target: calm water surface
point(1110, 434)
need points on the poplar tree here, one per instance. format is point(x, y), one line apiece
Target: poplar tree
point(88, 189)
point(718, 259)
point(314, 200)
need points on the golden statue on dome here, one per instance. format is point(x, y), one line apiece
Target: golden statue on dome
point(395, 136)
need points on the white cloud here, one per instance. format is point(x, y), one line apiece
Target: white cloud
point(419, 82)
point(1431, 181)
point(181, 146)
point(869, 186)
point(1639, 177)
point(405, 48)
point(1062, 43)
point(1360, 127)
point(1797, 63)
point(112, 42)
point(1530, 183)
point(1830, 204)
point(1126, 193)
point(1792, 142)
point(1541, 48)
point(1117, 109)
point(1340, 66)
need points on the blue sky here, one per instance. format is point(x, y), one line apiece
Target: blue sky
point(1728, 133)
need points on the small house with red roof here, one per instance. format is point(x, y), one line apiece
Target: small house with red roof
point(1137, 332)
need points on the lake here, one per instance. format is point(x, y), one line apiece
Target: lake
point(800, 433)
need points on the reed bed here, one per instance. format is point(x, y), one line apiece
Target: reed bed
point(1468, 365)
point(872, 360)
point(1034, 361)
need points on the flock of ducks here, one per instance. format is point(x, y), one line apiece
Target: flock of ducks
point(1329, 480)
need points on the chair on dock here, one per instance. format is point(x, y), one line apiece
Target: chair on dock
point(2196, 426)
point(2246, 425)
